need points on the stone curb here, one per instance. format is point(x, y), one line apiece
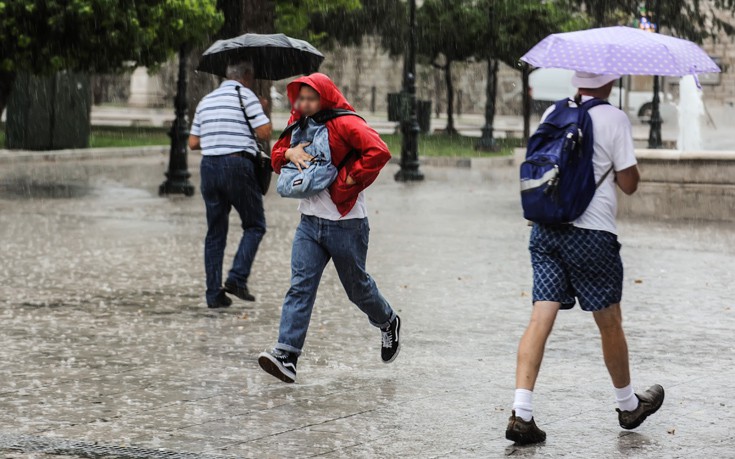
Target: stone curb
point(18, 156)
point(677, 155)
point(462, 162)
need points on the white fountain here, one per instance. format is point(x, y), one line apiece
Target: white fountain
point(691, 110)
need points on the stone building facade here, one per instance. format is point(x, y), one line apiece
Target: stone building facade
point(367, 74)
point(721, 88)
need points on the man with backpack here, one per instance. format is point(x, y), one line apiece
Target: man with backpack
point(581, 151)
point(334, 223)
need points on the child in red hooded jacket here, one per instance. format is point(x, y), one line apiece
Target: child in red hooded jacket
point(334, 225)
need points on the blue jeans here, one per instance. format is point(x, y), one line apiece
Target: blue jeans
point(316, 242)
point(227, 182)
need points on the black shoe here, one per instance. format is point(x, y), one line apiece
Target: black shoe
point(280, 364)
point(391, 342)
point(240, 292)
point(523, 432)
point(648, 403)
point(220, 301)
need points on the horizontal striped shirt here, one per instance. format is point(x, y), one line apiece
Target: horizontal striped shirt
point(219, 122)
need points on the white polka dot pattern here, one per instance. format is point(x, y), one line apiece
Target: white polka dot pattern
point(620, 51)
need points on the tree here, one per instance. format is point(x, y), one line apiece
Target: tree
point(96, 35)
point(510, 29)
point(348, 25)
point(695, 20)
point(319, 22)
point(448, 31)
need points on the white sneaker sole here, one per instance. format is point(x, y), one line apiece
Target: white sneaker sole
point(274, 367)
point(398, 351)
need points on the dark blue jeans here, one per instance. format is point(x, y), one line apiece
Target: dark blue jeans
point(316, 242)
point(227, 182)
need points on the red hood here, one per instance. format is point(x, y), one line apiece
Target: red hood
point(331, 96)
point(350, 134)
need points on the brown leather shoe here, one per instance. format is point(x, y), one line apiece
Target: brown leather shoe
point(648, 403)
point(523, 432)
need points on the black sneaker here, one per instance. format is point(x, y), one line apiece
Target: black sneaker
point(648, 403)
point(523, 432)
point(391, 342)
point(220, 301)
point(280, 364)
point(240, 292)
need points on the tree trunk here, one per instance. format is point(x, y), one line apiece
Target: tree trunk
point(438, 88)
point(6, 86)
point(200, 83)
point(254, 16)
point(525, 72)
point(450, 98)
point(487, 142)
point(599, 12)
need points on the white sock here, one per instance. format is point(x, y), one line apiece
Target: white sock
point(627, 401)
point(523, 404)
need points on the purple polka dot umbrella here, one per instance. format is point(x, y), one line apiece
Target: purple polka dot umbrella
point(620, 51)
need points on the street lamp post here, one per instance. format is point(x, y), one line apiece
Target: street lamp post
point(654, 136)
point(177, 175)
point(409, 123)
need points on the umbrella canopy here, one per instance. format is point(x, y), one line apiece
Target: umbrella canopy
point(620, 51)
point(275, 56)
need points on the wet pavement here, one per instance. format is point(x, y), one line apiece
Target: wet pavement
point(106, 341)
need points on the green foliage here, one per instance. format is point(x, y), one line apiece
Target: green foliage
point(99, 35)
point(306, 19)
point(450, 28)
point(512, 27)
point(695, 20)
point(384, 19)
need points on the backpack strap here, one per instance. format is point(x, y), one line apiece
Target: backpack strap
point(602, 179)
point(346, 158)
point(587, 106)
point(321, 118)
point(592, 103)
point(329, 114)
point(288, 129)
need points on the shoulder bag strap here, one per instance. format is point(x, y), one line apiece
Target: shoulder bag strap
point(247, 120)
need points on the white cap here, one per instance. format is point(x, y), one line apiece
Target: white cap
point(591, 80)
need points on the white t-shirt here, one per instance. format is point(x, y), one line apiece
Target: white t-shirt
point(613, 147)
point(321, 206)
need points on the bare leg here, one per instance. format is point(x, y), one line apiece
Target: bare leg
point(533, 342)
point(614, 346)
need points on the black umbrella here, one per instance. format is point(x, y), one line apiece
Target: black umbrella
point(275, 56)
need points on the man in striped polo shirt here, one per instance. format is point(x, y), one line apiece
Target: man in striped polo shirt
point(228, 180)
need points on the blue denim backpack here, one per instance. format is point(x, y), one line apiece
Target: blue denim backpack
point(321, 172)
point(557, 177)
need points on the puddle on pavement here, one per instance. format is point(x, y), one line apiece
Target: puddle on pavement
point(30, 188)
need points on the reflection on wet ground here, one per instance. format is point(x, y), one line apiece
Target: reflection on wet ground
point(106, 339)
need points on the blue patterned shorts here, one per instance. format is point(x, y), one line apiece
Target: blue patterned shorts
point(570, 262)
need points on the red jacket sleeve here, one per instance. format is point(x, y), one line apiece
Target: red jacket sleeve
point(278, 153)
point(374, 153)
